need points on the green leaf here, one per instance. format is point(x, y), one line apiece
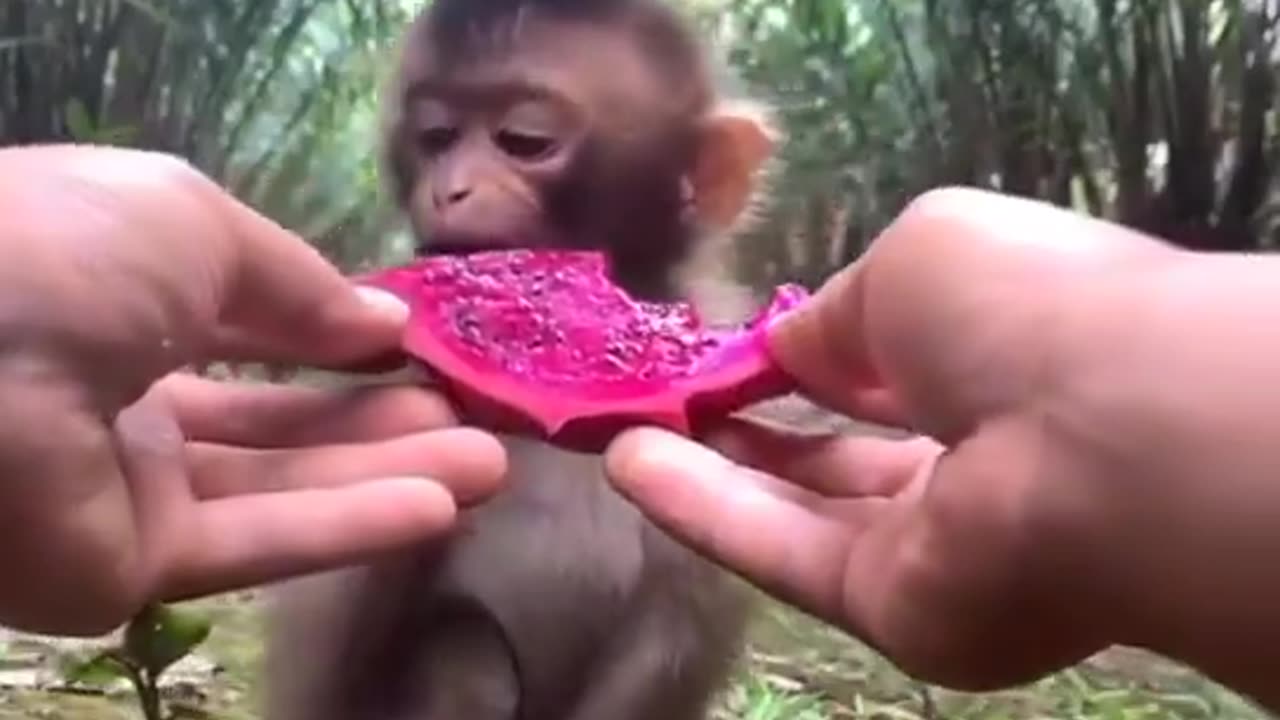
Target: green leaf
point(99, 669)
point(161, 635)
point(78, 120)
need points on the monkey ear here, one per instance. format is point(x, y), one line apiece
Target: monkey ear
point(734, 143)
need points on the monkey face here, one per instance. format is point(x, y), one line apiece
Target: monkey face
point(567, 124)
point(555, 134)
point(486, 169)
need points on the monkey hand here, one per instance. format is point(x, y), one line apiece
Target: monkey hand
point(124, 482)
point(1060, 496)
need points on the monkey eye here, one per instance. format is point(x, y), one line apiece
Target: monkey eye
point(436, 140)
point(524, 145)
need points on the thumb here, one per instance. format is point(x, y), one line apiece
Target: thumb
point(767, 530)
point(823, 344)
point(285, 303)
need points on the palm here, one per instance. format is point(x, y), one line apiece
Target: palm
point(203, 487)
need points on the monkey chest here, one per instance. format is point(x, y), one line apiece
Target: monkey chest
point(558, 549)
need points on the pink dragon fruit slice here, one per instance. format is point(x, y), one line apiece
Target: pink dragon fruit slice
point(542, 343)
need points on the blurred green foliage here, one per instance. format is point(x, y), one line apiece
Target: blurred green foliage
point(277, 99)
point(1157, 113)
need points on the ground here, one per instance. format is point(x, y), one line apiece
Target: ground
point(797, 669)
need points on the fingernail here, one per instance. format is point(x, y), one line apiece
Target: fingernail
point(780, 326)
point(647, 450)
point(384, 303)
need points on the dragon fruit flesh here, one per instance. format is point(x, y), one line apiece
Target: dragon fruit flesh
point(542, 343)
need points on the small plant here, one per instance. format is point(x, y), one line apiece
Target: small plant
point(153, 641)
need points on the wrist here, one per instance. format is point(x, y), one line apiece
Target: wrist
point(1167, 408)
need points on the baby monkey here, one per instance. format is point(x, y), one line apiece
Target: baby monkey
point(591, 124)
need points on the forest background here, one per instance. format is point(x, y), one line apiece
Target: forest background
point(1160, 114)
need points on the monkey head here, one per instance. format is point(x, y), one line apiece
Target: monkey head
point(589, 124)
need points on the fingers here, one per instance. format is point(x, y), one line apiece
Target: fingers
point(729, 513)
point(939, 320)
point(276, 298)
point(286, 303)
point(832, 465)
point(249, 516)
point(823, 345)
point(471, 464)
point(256, 539)
point(275, 416)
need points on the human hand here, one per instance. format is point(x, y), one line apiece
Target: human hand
point(122, 483)
point(969, 555)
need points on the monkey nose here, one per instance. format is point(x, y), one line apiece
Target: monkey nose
point(451, 196)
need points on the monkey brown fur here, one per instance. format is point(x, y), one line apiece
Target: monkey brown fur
point(566, 123)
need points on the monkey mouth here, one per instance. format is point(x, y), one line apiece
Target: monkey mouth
point(472, 244)
point(468, 246)
point(432, 249)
